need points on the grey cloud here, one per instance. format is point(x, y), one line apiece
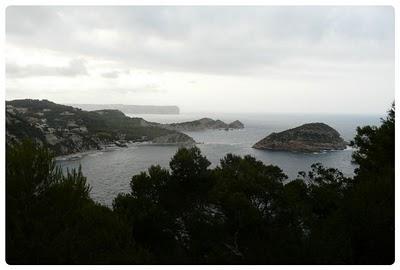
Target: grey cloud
point(75, 67)
point(149, 88)
point(114, 74)
point(18, 92)
point(218, 40)
point(110, 75)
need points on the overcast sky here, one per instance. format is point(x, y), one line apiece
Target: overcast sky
point(218, 59)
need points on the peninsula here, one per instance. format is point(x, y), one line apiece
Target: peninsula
point(67, 130)
point(129, 109)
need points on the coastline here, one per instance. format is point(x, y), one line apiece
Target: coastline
point(110, 148)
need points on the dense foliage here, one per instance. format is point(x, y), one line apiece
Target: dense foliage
point(239, 212)
point(50, 218)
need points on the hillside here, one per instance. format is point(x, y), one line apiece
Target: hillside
point(66, 129)
point(312, 137)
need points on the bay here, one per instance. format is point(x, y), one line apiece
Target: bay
point(109, 172)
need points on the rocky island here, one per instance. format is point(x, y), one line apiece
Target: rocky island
point(66, 129)
point(312, 137)
point(203, 124)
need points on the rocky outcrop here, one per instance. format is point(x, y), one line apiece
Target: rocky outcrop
point(312, 137)
point(236, 125)
point(203, 124)
point(175, 138)
point(67, 130)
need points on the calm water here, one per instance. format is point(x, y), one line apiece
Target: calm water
point(109, 172)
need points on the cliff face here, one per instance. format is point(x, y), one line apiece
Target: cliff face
point(66, 129)
point(203, 124)
point(313, 137)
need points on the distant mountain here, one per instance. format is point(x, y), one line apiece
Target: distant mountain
point(312, 137)
point(204, 124)
point(130, 109)
point(66, 129)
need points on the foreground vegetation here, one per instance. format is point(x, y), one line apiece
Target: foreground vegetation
point(238, 213)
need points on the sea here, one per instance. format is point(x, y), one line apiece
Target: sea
point(109, 172)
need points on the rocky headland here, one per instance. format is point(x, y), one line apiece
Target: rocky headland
point(129, 109)
point(312, 137)
point(204, 124)
point(67, 130)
